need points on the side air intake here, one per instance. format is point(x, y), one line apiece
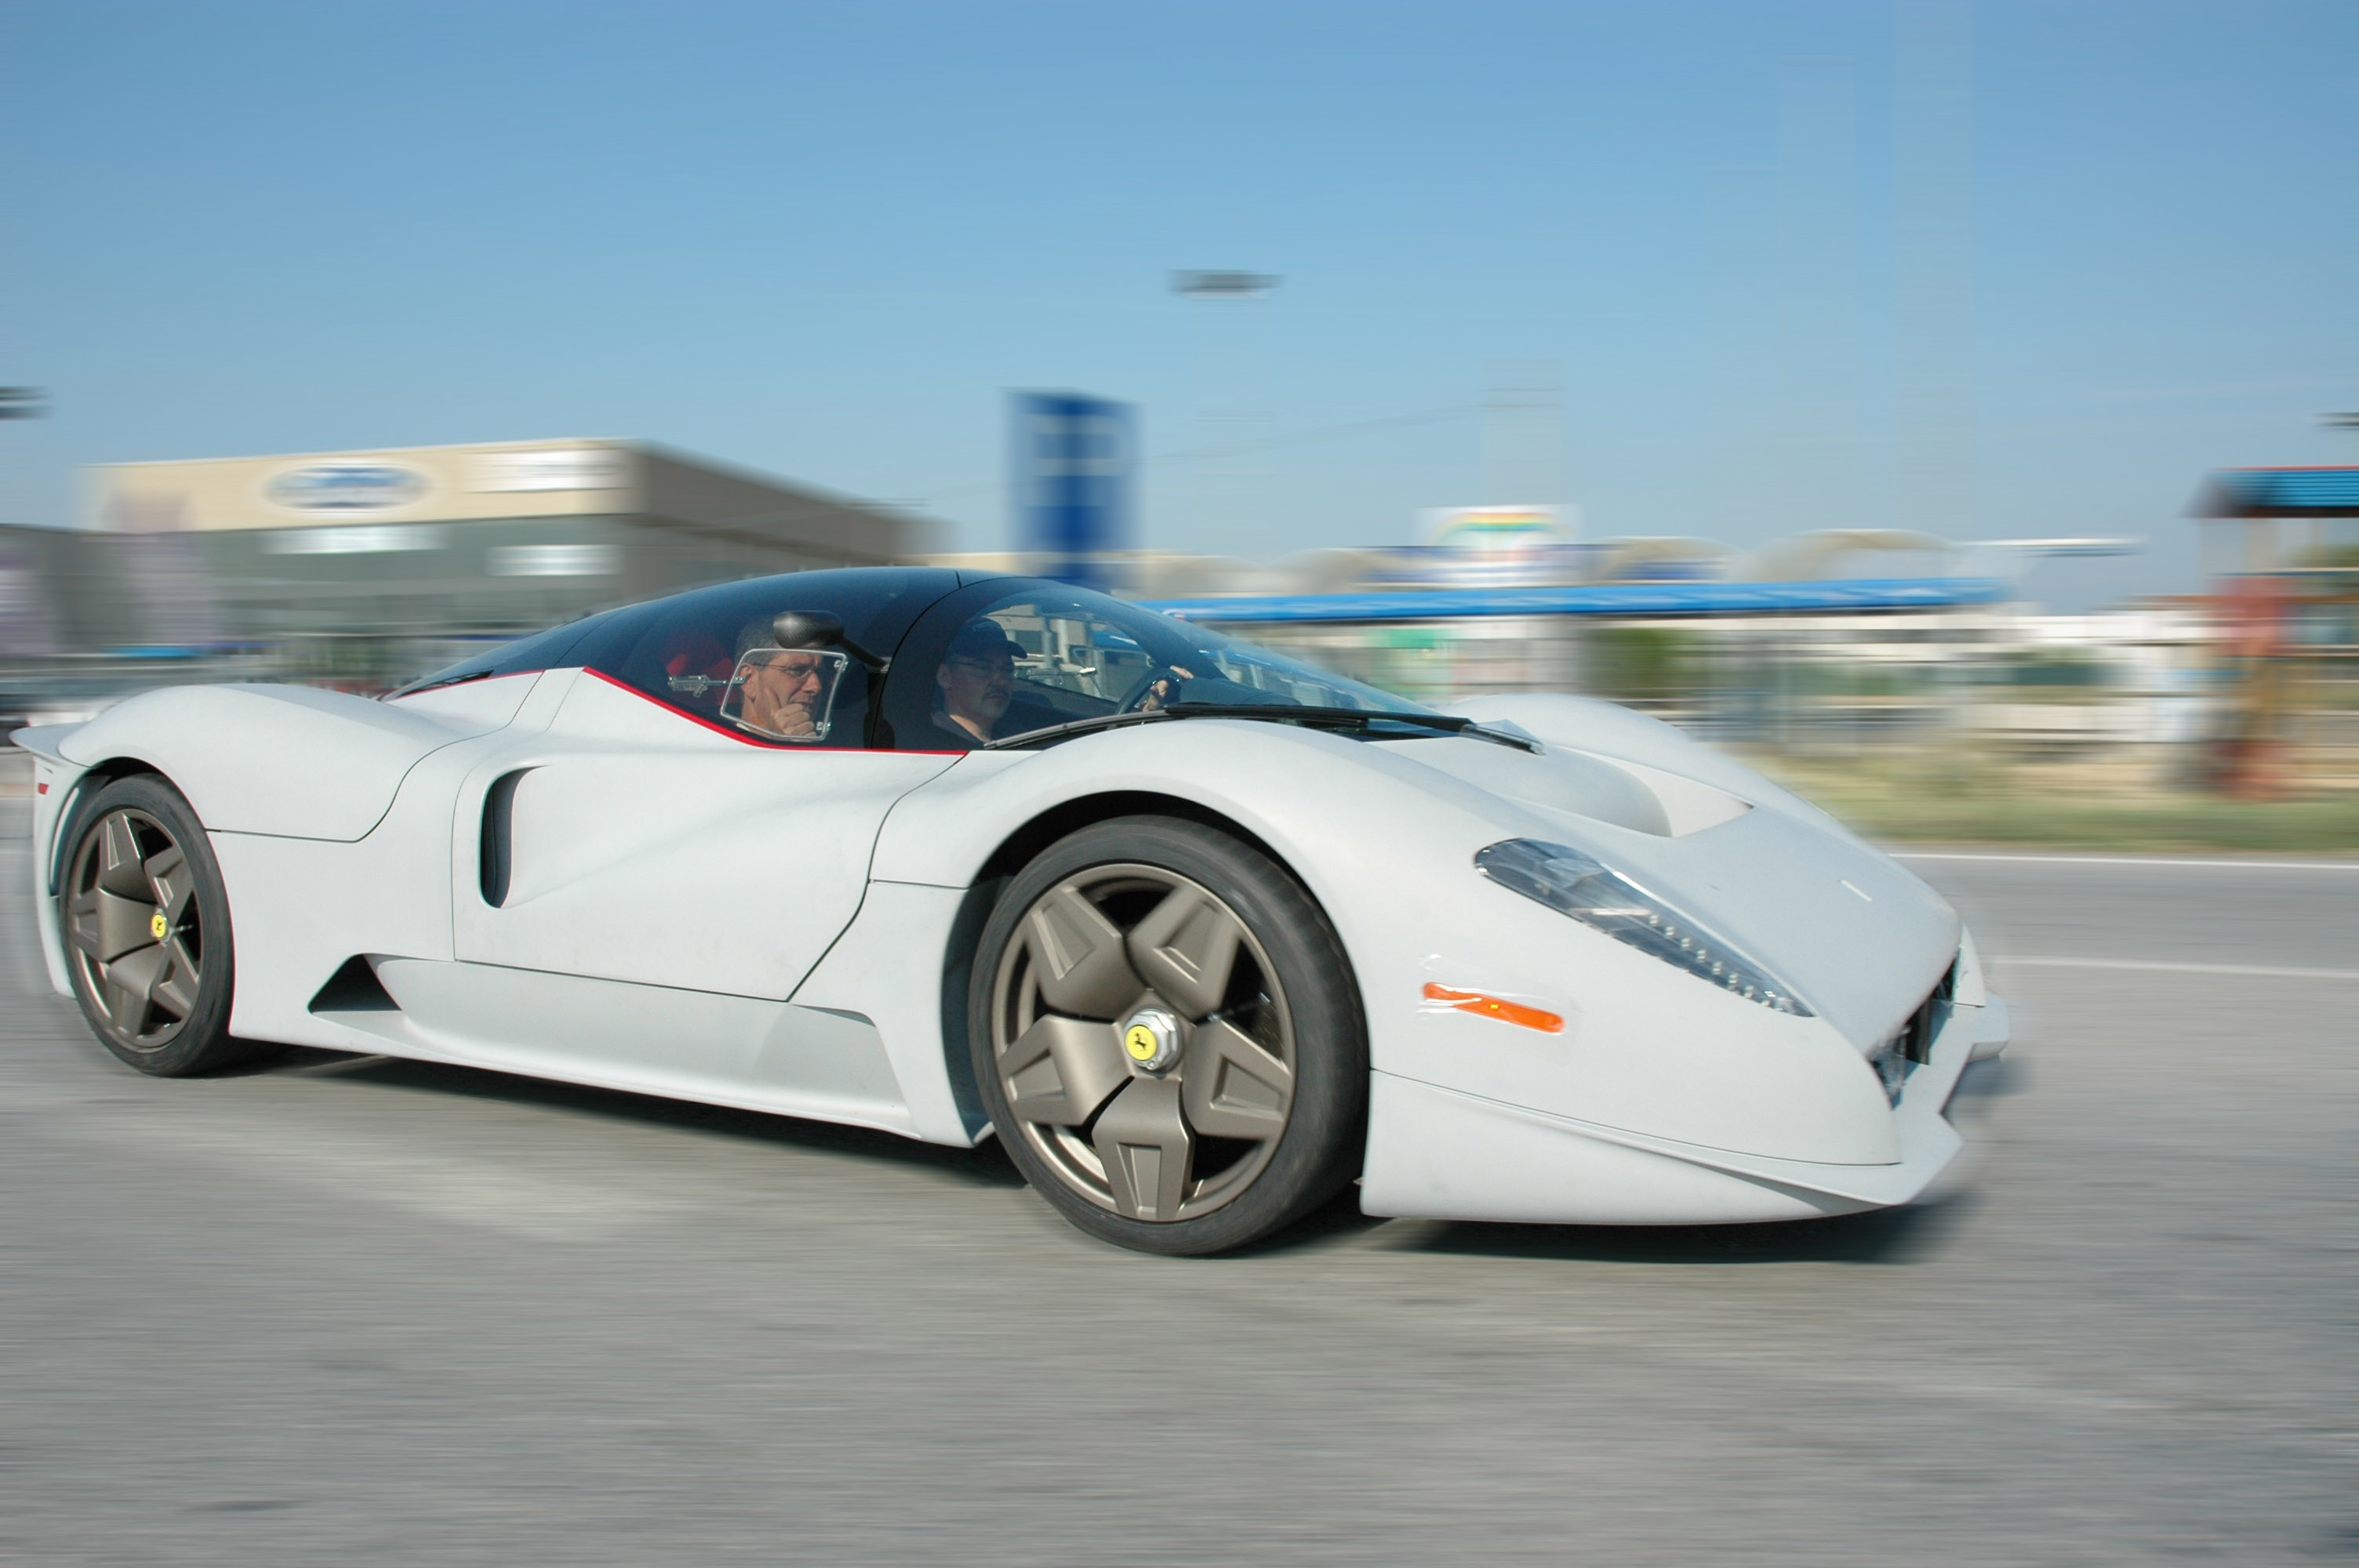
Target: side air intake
point(353, 988)
point(499, 815)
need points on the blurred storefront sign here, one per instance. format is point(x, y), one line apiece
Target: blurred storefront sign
point(1498, 546)
point(556, 560)
point(1073, 465)
point(1498, 529)
point(406, 484)
point(361, 539)
point(347, 489)
point(549, 467)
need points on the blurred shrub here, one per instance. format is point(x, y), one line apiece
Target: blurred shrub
point(1646, 663)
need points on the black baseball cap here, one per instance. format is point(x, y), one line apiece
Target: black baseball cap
point(984, 638)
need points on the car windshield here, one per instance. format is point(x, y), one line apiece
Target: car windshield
point(1039, 655)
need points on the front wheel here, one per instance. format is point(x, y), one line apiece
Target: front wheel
point(146, 931)
point(1168, 1037)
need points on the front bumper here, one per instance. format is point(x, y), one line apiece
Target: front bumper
point(1439, 1153)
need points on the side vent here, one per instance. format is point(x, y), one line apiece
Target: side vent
point(499, 815)
point(354, 988)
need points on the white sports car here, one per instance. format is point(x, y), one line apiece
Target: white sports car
point(1202, 934)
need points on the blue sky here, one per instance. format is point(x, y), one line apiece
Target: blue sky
point(825, 239)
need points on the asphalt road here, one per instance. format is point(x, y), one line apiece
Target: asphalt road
point(347, 1309)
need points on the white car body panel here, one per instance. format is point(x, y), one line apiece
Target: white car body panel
point(640, 851)
point(1438, 1153)
point(689, 915)
point(284, 759)
point(684, 1044)
point(1786, 1087)
point(889, 970)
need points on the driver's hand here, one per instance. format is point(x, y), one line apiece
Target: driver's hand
point(1162, 689)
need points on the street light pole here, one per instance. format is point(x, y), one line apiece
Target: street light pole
point(1229, 472)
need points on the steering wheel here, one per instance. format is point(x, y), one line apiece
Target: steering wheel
point(1163, 678)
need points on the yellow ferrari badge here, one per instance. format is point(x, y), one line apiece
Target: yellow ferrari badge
point(159, 926)
point(1140, 1043)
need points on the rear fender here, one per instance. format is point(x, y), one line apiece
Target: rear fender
point(57, 787)
point(291, 761)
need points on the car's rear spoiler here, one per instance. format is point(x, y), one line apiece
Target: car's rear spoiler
point(43, 740)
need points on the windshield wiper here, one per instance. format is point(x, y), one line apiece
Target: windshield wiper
point(1318, 717)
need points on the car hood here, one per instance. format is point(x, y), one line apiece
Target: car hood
point(1858, 937)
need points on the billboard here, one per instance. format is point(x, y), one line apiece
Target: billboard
point(1074, 467)
point(1503, 546)
point(375, 493)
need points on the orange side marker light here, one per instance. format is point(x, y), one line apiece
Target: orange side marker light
point(1494, 1006)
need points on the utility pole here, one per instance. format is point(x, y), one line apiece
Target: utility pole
point(1233, 471)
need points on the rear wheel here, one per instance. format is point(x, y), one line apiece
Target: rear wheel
point(146, 931)
point(1168, 1037)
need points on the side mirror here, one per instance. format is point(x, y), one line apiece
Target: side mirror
point(817, 629)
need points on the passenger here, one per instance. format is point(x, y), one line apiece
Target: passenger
point(976, 682)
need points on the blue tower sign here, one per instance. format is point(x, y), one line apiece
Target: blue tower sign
point(1075, 470)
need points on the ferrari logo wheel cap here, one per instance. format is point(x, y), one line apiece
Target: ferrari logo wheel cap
point(159, 926)
point(1150, 1038)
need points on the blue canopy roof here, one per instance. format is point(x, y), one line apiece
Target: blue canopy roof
point(2279, 493)
point(1605, 599)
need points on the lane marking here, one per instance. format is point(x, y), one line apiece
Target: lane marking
point(2159, 966)
point(2135, 860)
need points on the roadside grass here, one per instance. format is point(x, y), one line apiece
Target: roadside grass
point(1944, 798)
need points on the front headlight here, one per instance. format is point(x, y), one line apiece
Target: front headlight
point(1604, 900)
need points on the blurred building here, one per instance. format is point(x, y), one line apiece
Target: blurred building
point(2285, 601)
point(359, 569)
point(448, 542)
point(51, 597)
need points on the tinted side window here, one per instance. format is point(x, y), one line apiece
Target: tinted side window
point(690, 651)
point(1009, 656)
point(1012, 656)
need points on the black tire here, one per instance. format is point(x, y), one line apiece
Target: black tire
point(145, 927)
point(1257, 1096)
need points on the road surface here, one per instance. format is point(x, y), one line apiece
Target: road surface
point(349, 1310)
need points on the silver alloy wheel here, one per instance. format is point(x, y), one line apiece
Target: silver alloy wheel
point(1131, 949)
point(133, 937)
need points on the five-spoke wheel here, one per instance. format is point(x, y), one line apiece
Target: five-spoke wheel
point(1168, 1036)
point(146, 930)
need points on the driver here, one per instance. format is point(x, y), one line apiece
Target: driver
point(782, 690)
point(976, 681)
point(781, 693)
